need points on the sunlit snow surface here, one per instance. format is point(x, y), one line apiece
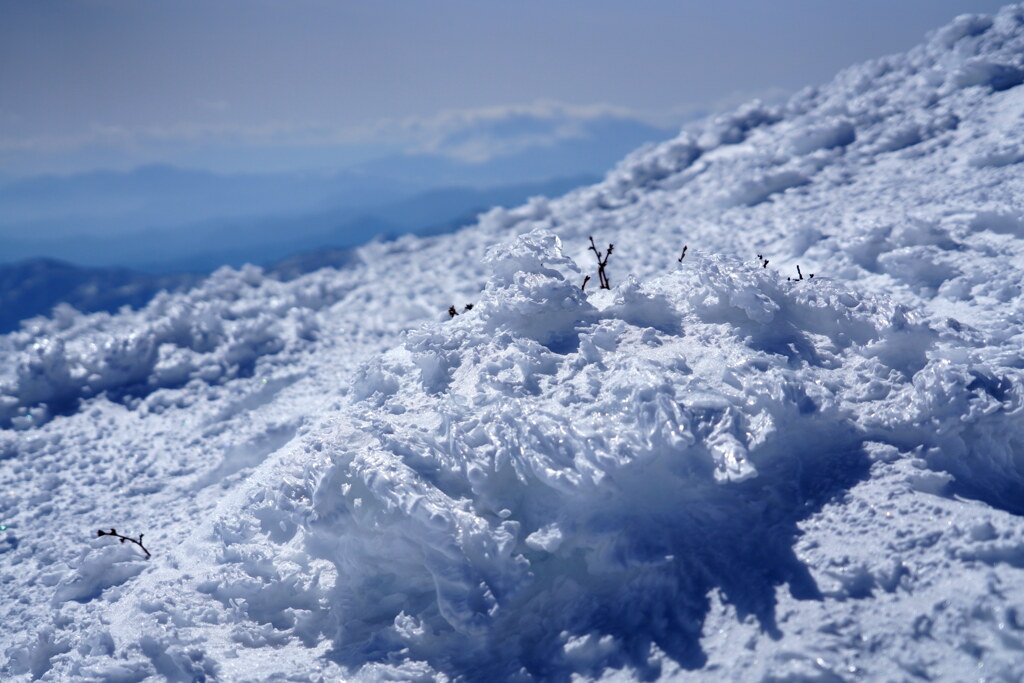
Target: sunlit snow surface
point(710, 472)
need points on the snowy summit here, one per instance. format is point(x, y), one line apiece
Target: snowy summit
point(720, 468)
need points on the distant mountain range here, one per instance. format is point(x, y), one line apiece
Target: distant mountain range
point(266, 238)
point(34, 286)
point(104, 239)
point(162, 219)
point(116, 203)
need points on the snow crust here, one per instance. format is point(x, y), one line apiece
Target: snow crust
point(712, 471)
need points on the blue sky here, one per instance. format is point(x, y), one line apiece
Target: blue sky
point(283, 85)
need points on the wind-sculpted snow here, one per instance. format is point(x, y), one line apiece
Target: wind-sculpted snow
point(551, 485)
point(213, 334)
point(718, 469)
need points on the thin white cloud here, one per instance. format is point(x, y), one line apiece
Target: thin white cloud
point(473, 135)
point(483, 133)
point(448, 132)
point(190, 132)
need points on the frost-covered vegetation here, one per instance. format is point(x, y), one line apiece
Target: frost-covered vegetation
point(707, 471)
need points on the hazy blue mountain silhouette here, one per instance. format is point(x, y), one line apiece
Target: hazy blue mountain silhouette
point(104, 239)
point(107, 202)
point(33, 287)
point(205, 245)
point(156, 217)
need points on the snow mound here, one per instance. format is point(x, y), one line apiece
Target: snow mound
point(546, 486)
point(720, 468)
point(214, 334)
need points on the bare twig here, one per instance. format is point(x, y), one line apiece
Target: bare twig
point(113, 532)
point(683, 255)
point(586, 279)
point(800, 273)
point(451, 311)
point(601, 263)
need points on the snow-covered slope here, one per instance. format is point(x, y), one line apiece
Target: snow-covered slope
point(711, 471)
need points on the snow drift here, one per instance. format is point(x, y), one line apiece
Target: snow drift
point(713, 470)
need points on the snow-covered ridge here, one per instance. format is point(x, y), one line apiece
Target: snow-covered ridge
point(711, 471)
point(885, 105)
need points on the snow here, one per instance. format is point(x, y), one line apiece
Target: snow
point(714, 470)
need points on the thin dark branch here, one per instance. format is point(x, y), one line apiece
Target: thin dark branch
point(602, 275)
point(801, 274)
point(113, 532)
point(683, 255)
point(586, 279)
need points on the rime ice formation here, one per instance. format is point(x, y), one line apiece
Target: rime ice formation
point(712, 471)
